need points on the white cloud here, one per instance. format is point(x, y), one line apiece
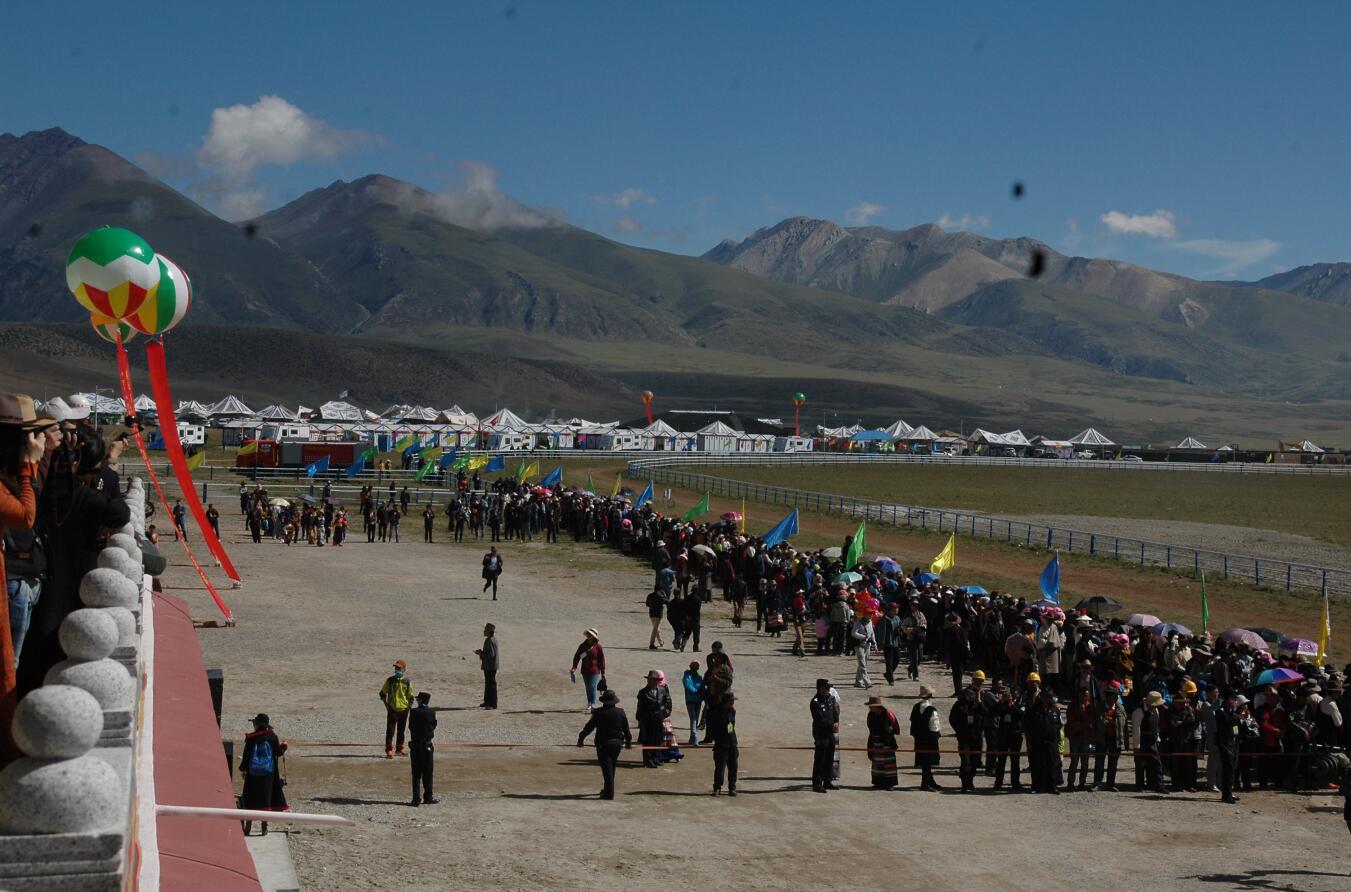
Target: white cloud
point(1237, 256)
point(478, 203)
point(243, 138)
point(626, 223)
point(965, 221)
point(1156, 225)
point(1073, 236)
point(861, 213)
point(630, 197)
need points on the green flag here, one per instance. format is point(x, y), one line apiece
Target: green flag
point(590, 484)
point(371, 454)
point(1205, 605)
point(424, 470)
point(462, 461)
point(698, 510)
point(860, 542)
point(404, 443)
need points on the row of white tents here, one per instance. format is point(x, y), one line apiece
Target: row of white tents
point(504, 429)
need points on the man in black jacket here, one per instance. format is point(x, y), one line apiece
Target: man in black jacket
point(825, 724)
point(421, 729)
point(722, 734)
point(489, 662)
point(1226, 744)
point(1008, 718)
point(612, 728)
point(654, 705)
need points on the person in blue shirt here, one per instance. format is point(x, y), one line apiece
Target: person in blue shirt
point(695, 692)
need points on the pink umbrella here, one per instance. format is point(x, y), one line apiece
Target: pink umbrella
point(1148, 620)
point(1243, 636)
point(1301, 647)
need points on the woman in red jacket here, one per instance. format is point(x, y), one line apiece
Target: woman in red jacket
point(1080, 722)
point(21, 446)
point(1273, 723)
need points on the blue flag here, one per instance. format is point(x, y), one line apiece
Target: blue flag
point(555, 477)
point(645, 496)
point(319, 467)
point(495, 464)
point(448, 459)
point(355, 469)
point(413, 449)
point(783, 530)
point(157, 443)
point(1050, 580)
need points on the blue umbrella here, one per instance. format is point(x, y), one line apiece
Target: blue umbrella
point(926, 578)
point(976, 590)
point(1162, 630)
point(848, 578)
point(887, 566)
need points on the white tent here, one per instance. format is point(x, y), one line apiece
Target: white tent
point(145, 404)
point(339, 411)
point(1015, 438)
point(420, 413)
point(106, 405)
point(1090, 437)
point(1190, 443)
point(369, 415)
point(899, 431)
point(276, 413)
point(303, 411)
point(190, 409)
point(505, 419)
point(1308, 446)
point(840, 432)
point(456, 415)
point(989, 438)
point(717, 437)
point(921, 434)
point(231, 407)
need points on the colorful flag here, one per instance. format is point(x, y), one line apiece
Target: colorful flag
point(619, 479)
point(196, 460)
point(1050, 579)
point(698, 510)
point(782, 530)
point(555, 477)
point(249, 448)
point(645, 496)
point(423, 471)
point(371, 454)
point(946, 559)
point(357, 467)
point(431, 453)
point(498, 463)
point(1324, 633)
point(590, 484)
point(1205, 605)
point(527, 471)
point(475, 462)
point(318, 467)
point(403, 444)
point(854, 555)
point(448, 458)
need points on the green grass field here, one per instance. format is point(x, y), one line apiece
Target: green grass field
point(1319, 507)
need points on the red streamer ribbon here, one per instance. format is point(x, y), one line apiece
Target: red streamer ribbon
point(164, 406)
point(124, 374)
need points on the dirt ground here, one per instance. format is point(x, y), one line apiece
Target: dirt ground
point(319, 628)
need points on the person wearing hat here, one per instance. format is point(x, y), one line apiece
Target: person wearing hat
point(654, 707)
point(722, 734)
point(397, 695)
point(1228, 734)
point(825, 713)
point(967, 719)
point(489, 661)
point(21, 562)
point(914, 628)
point(1009, 717)
point(925, 728)
point(957, 647)
point(591, 657)
point(1043, 743)
point(1149, 747)
point(882, 730)
point(695, 692)
point(421, 730)
point(260, 766)
point(1110, 736)
point(612, 732)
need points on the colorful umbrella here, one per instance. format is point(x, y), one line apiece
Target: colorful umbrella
point(1277, 676)
point(1244, 636)
point(1267, 634)
point(887, 565)
point(1148, 620)
point(732, 516)
point(848, 578)
point(1300, 647)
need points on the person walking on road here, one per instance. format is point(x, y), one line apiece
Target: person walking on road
point(656, 606)
point(260, 766)
point(862, 633)
point(612, 731)
point(722, 733)
point(492, 568)
point(825, 713)
point(397, 695)
point(591, 656)
point(654, 707)
point(421, 729)
point(695, 690)
point(489, 662)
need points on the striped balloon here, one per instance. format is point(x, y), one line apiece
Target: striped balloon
point(109, 328)
point(167, 304)
point(111, 272)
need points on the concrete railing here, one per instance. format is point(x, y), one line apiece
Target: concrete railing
point(1258, 571)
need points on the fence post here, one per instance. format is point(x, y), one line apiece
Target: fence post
point(1169, 559)
point(940, 521)
point(1196, 562)
point(1092, 543)
point(1116, 548)
point(1070, 546)
point(1256, 572)
point(1226, 567)
point(1050, 537)
point(1142, 554)
point(1288, 571)
point(1010, 532)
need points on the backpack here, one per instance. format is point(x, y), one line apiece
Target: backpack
point(261, 763)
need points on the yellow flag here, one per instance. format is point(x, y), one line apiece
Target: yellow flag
point(619, 478)
point(249, 448)
point(527, 471)
point(1325, 633)
point(477, 462)
point(196, 460)
point(947, 558)
point(743, 515)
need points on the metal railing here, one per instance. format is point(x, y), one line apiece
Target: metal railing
point(1258, 571)
point(833, 458)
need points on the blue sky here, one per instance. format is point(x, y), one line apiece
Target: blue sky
point(1207, 139)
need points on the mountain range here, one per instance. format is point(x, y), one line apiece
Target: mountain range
point(946, 327)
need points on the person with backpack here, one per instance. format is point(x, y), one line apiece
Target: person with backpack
point(261, 769)
point(397, 695)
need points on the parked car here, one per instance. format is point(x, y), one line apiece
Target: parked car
point(1086, 454)
point(1004, 452)
point(1132, 458)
